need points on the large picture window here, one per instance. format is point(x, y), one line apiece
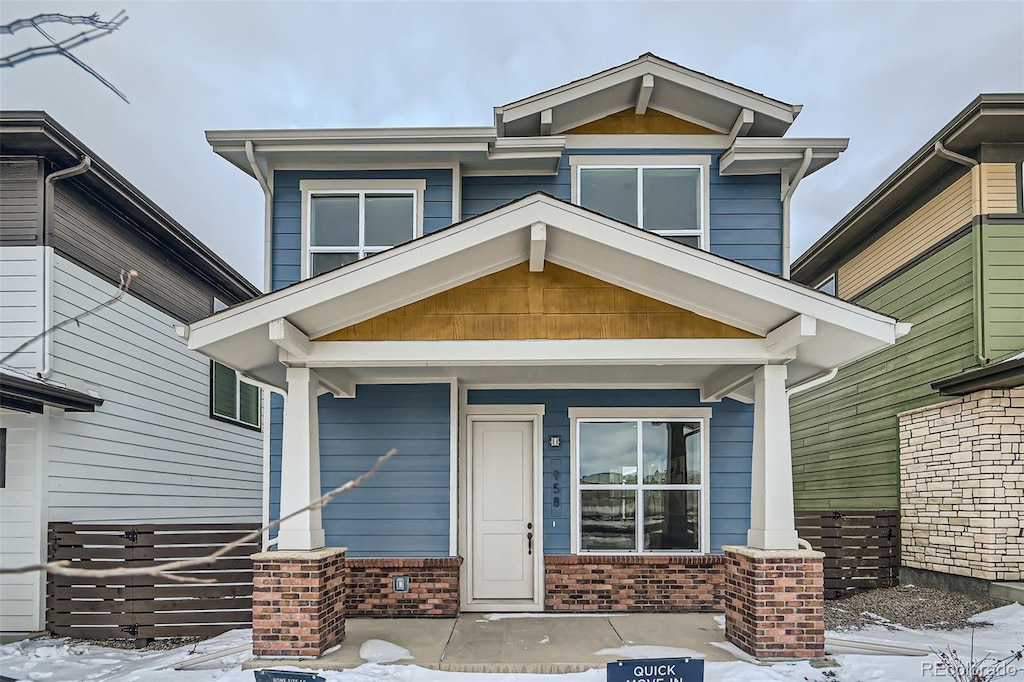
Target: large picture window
point(665, 199)
point(232, 399)
point(641, 484)
point(346, 221)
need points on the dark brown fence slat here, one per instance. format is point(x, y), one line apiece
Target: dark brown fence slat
point(144, 607)
point(861, 547)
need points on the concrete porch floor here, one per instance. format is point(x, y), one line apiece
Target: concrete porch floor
point(537, 643)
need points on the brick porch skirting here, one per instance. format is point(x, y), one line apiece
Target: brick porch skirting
point(775, 604)
point(634, 583)
point(298, 602)
point(433, 587)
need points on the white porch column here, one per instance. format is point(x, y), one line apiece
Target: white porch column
point(300, 463)
point(771, 490)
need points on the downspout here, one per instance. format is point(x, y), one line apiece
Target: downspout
point(268, 211)
point(46, 369)
point(813, 382)
point(786, 196)
point(268, 283)
point(979, 285)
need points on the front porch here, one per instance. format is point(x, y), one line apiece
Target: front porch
point(574, 401)
point(497, 643)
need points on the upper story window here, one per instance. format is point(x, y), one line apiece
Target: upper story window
point(667, 195)
point(345, 220)
point(232, 399)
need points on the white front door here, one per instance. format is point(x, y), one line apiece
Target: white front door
point(504, 537)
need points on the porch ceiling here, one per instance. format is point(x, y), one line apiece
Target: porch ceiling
point(823, 332)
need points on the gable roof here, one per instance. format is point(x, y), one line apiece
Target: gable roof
point(575, 238)
point(990, 118)
point(647, 81)
point(36, 133)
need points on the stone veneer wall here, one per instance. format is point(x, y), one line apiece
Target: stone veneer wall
point(962, 486)
point(634, 583)
point(433, 587)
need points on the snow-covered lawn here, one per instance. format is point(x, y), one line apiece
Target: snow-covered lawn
point(49, 660)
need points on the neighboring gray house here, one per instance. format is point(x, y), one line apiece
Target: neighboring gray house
point(110, 419)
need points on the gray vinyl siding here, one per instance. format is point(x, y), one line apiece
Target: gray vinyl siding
point(21, 202)
point(405, 509)
point(846, 433)
point(22, 280)
point(287, 221)
point(97, 238)
point(732, 433)
point(746, 211)
point(151, 452)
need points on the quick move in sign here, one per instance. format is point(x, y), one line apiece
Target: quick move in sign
point(657, 670)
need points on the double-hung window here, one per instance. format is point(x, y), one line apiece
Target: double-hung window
point(641, 482)
point(348, 220)
point(232, 399)
point(668, 198)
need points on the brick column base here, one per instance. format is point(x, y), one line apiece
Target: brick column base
point(774, 602)
point(298, 602)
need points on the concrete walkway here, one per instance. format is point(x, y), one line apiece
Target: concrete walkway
point(524, 643)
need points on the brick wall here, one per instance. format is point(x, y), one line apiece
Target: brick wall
point(962, 486)
point(634, 583)
point(775, 605)
point(298, 602)
point(433, 587)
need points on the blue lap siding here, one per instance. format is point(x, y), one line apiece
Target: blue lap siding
point(746, 211)
point(404, 509)
point(732, 431)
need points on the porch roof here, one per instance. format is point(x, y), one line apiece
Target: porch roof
point(811, 331)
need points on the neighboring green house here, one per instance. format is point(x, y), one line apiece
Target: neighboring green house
point(939, 244)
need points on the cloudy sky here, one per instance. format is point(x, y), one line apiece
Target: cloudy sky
point(887, 75)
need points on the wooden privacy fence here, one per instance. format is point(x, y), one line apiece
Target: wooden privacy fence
point(861, 548)
point(142, 608)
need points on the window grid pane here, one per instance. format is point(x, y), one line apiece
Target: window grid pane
point(224, 391)
point(665, 474)
point(347, 226)
point(667, 200)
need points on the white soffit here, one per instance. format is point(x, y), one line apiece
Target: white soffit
point(575, 238)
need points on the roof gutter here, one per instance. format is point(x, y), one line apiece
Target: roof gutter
point(979, 253)
point(268, 212)
point(786, 196)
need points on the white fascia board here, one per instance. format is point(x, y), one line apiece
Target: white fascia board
point(762, 155)
point(721, 271)
point(231, 138)
point(668, 73)
point(539, 353)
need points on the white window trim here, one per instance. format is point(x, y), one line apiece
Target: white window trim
point(701, 414)
point(701, 162)
point(309, 188)
point(236, 419)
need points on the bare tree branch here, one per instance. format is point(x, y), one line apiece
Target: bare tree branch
point(126, 280)
point(63, 47)
point(65, 567)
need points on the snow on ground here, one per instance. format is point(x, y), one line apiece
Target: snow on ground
point(379, 651)
point(50, 660)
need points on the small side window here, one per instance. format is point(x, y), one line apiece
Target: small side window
point(232, 399)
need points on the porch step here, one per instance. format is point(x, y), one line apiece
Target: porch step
point(1007, 591)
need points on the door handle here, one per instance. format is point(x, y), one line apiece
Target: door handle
point(529, 543)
